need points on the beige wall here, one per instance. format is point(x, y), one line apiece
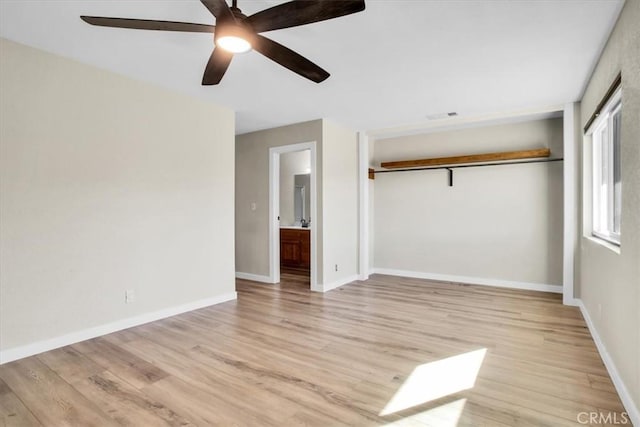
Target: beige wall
point(252, 186)
point(608, 282)
point(502, 222)
point(292, 164)
point(106, 184)
point(339, 202)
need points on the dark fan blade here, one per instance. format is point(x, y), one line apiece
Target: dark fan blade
point(216, 67)
point(289, 59)
point(302, 12)
point(219, 9)
point(146, 24)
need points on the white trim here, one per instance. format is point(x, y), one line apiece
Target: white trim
point(598, 241)
point(363, 199)
point(274, 208)
point(623, 392)
point(253, 277)
point(86, 334)
point(333, 285)
point(570, 242)
point(603, 201)
point(472, 280)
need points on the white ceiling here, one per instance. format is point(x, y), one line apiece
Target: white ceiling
point(391, 65)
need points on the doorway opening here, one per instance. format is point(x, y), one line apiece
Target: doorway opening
point(293, 213)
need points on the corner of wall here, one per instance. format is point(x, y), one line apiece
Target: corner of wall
point(340, 204)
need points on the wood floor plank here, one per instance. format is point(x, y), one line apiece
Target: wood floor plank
point(70, 364)
point(308, 419)
point(137, 371)
point(281, 355)
point(199, 404)
point(600, 382)
point(127, 405)
point(13, 413)
point(52, 400)
point(289, 387)
point(220, 384)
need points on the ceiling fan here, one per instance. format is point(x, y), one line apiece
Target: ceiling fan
point(235, 32)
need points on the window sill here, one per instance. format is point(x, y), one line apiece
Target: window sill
point(612, 247)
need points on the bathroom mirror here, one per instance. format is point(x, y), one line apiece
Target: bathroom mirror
point(301, 199)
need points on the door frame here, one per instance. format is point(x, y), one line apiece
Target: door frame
point(274, 209)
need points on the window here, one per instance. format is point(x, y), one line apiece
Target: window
point(607, 183)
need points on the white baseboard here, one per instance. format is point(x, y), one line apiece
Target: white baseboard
point(253, 277)
point(623, 392)
point(329, 286)
point(471, 280)
point(86, 334)
point(573, 302)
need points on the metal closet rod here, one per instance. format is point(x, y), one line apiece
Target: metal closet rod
point(559, 159)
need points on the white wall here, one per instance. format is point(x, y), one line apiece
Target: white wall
point(339, 204)
point(500, 223)
point(292, 164)
point(106, 184)
point(609, 282)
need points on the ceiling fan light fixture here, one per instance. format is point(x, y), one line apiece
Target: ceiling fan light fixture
point(233, 38)
point(234, 44)
point(235, 32)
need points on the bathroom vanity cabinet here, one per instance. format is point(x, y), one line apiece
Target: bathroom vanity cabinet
point(295, 248)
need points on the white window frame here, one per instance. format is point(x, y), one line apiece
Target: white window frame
point(605, 196)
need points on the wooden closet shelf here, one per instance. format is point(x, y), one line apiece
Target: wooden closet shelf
point(473, 158)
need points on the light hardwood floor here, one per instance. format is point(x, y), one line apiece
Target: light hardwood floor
point(281, 355)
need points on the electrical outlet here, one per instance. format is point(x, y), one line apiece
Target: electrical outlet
point(253, 206)
point(129, 296)
point(336, 267)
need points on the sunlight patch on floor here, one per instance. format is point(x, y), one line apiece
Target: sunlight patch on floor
point(437, 379)
point(446, 415)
